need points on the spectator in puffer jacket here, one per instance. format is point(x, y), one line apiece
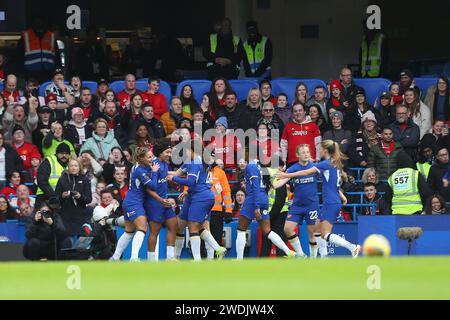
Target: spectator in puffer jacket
point(405, 131)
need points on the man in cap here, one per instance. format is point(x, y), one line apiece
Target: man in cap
point(407, 82)
point(257, 55)
point(49, 173)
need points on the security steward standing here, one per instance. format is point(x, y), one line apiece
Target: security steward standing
point(257, 55)
point(409, 189)
point(223, 53)
point(49, 173)
point(373, 54)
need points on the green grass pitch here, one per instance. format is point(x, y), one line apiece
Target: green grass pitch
point(338, 278)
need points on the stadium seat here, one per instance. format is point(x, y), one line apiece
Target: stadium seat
point(1, 86)
point(242, 87)
point(373, 87)
point(142, 85)
point(91, 85)
point(287, 86)
point(424, 83)
point(199, 87)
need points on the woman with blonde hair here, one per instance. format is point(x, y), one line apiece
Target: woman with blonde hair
point(331, 170)
point(74, 191)
point(252, 112)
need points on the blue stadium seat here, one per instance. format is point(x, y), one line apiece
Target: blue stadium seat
point(373, 87)
point(242, 87)
point(91, 85)
point(142, 85)
point(198, 86)
point(424, 83)
point(287, 86)
point(1, 86)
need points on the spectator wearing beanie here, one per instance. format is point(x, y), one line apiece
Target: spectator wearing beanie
point(337, 99)
point(366, 137)
point(26, 150)
point(387, 109)
point(356, 111)
point(56, 114)
point(338, 134)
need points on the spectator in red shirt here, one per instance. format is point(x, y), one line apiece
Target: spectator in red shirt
point(14, 181)
point(22, 196)
point(11, 93)
point(26, 150)
point(239, 199)
point(301, 130)
point(265, 146)
point(156, 99)
point(226, 146)
point(266, 90)
point(217, 93)
point(124, 96)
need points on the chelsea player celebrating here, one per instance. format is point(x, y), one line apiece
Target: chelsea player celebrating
point(330, 171)
point(256, 206)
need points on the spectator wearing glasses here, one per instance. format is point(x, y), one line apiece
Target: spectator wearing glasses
point(349, 88)
point(438, 99)
point(271, 120)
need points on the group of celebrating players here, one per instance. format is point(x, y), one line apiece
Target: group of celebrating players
point(146, 202)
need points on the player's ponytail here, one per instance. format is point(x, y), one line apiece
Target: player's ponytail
point(337, 158)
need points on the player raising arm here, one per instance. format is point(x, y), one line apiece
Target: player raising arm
point(330, 170)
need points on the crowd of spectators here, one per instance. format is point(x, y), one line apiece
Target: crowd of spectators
point(75, 147)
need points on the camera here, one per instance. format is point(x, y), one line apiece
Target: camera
point(46, 214)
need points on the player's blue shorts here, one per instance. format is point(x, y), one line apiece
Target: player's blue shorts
point(329, 212)
point(298, 214)
point(248, 210)
point(133, 212)
point(197, 210)
point(159, 214)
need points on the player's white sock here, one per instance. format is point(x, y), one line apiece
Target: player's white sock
point(170, 253)
point(240, 244)
point(208, 238)
point(323, 245)
point(313, 248)
point(276, 240)
point(339, 241)
point(295, 242)
point(195, 247)
point(122, 244)
point(179, 244)
point(151, 256)
point(209, 251)
point(137, 244)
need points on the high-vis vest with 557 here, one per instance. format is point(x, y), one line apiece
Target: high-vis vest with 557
point(405, 191)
